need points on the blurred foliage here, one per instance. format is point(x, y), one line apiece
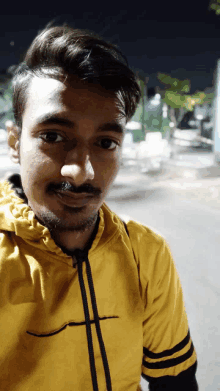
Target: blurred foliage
point(175, 93)
point(214, 5)
point(174, 84)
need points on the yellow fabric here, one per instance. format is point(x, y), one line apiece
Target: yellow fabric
point(139, 302)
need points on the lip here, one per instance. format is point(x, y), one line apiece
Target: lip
point(77, 200)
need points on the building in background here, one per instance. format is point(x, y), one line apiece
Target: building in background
point(216, 113)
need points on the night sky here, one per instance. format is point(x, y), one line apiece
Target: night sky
point(181, 38)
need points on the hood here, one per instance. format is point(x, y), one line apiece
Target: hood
point(16, 216)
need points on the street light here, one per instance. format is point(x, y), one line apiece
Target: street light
point(165, 110)
point(156, 100)
point(133, 125)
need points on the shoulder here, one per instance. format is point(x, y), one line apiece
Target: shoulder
point(152, 253)
point(148, 244)
point(145, 237)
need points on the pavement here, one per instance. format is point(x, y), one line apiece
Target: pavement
point(193, 175)
point(197, 165)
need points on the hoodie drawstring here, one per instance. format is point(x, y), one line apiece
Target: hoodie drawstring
point(80, 257)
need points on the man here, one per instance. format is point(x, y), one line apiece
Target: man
point(85, 305)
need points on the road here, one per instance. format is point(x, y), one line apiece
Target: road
point(187, 214)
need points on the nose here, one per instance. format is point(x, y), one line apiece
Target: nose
point(79, 172)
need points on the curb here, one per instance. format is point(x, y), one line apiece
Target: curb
point(191, 172)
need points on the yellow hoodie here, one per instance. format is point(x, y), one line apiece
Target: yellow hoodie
point(98, 326)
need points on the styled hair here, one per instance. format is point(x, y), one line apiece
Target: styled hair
point(61, 51)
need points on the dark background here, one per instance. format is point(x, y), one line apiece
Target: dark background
point(175, 37)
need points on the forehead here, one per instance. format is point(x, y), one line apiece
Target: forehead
point(78, 98)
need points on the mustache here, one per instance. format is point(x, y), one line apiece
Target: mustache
point(66, 186)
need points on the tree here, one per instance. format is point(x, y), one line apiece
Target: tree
point(214, 5)
point(179, 101)
point(150, 117)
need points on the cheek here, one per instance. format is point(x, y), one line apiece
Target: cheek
point(36, 167)
point(108, 171)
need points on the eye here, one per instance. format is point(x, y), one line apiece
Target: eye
point(107, 143)
point(51, 137)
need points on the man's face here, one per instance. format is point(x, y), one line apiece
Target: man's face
point(70, 151)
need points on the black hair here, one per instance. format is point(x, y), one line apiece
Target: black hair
point(62, 51)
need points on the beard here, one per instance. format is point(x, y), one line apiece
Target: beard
point(56, 224)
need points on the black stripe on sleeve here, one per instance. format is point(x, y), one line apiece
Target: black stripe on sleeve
point(168, 352)
point(185, 381)
point(170, 363)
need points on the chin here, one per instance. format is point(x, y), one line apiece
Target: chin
point(78, 221)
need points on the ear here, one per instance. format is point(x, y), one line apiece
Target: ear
point(14, 143)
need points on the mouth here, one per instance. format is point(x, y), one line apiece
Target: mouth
point(73, 199)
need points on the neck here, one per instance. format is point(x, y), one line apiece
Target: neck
point(71, 240)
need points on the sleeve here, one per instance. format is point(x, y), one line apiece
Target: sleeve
point(169, 358)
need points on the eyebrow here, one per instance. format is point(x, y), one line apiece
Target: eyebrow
point(55, 119)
